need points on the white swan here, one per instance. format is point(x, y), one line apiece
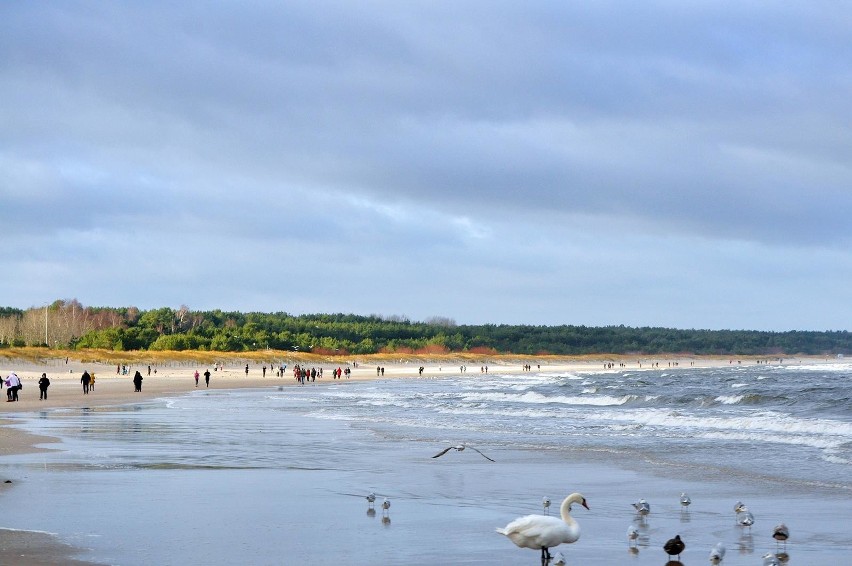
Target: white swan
point(544, 532)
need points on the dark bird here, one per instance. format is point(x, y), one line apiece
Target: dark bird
point(460, 448)
point(674, 546)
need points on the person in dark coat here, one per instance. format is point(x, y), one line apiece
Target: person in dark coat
point(86, 379)
point(137, 381)
point(43, 384)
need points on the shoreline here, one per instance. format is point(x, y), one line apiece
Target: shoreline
point(176, 378)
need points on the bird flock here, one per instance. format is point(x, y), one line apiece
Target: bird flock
point(543, 532)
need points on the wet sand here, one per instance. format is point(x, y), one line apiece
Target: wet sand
point(31, 547)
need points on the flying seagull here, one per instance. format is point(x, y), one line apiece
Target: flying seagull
point(460, 448)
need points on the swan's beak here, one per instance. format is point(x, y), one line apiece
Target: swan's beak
point(585, 505)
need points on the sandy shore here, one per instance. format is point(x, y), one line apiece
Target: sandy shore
point(27, 547)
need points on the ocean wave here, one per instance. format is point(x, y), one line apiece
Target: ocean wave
point(538, 398)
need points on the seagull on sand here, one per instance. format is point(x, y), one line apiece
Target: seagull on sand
point(674, 546)
point(781, 533)
point(460, 448)
point(545, 503)
point(371, 498)
point(642, 507)
point(717, 553)
point(632, 535)
point(745, 518)
point(540, 532)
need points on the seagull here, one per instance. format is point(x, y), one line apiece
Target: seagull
point(642, 507)
point(540, 532)
point(745, 518)
point(460, 448)
point(545, 503)
point(781, 533)
point(717, 553)
point(770, 559)
point(632, 535)
point(674, 546)
point(371, 498)
point(558, 559)
point(385, 506)
point(685, 500)
point(739, 506)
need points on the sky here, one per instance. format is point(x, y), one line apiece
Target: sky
point(677, 164)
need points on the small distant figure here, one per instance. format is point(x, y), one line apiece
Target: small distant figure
point(745, 518)
point(558, 559)
point(264, 371)
point(386, 507)
point(460, 448)
point(717, 553)
point(632, 535)
point(137, 381)
point(685, 501)
point(246, 370)
point(642, 507)
point(207, 378)
point(545, 503)
point(92, 382)
point(781, 533)
point(196, 378)
point(85, 379)
point(674, 546)
point(43, 384)
point(371, 500)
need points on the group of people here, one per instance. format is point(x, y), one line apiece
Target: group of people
point(13, 386)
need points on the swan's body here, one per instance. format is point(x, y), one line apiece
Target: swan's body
point(674, 546)
point(541, 532)
point(460, 448)
point(717, 553)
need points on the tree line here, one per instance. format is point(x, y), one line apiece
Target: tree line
point(68, 324)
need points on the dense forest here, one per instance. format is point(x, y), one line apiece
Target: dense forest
point(68, 324)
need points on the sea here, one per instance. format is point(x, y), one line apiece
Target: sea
point(279, 475)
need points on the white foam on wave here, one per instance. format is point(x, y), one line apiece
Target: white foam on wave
point(729, 399)
point(538, 398)
point(738, 385)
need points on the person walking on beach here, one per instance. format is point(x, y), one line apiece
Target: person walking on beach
point(92, 382)
point(85, 380)
point(207, 378)
point(137, 381)
point(43, 384)
point(196, 378)
point(13, 385)
point(246, 370)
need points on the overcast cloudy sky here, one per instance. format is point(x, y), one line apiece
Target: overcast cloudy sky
point(683, 164)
